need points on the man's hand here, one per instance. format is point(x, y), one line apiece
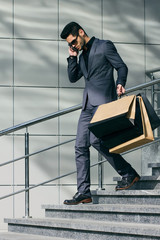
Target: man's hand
point(72, 52)
point(120, 90)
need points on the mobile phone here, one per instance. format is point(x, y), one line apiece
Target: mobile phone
point(74, 49)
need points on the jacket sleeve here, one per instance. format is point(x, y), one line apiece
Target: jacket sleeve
point(116, 61)
point(74, 71)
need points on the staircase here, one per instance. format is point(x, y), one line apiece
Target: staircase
point(132, 214)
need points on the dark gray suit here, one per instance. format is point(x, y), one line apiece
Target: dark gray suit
point(99, 89)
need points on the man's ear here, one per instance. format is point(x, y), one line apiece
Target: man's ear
point(81, 33)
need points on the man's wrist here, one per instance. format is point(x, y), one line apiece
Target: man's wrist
point(72, 57)
point(120, 83)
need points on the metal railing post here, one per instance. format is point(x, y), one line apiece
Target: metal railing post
point(152, 91)
point(27, 174)
point(153, 98)
point(100, 172)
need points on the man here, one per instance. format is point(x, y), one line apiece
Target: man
point(96, 64)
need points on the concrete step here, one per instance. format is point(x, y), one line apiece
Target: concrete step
point(86, 229)
point(106, 212)
point(22, 236)
point(155, 168)
point(150, 165)
point(140, 197)
point(146, 182)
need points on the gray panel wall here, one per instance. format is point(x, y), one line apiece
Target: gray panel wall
point(34, 82)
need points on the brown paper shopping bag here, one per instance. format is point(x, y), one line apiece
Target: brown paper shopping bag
point(114, 116)
point(123, 135)
point(146, 137)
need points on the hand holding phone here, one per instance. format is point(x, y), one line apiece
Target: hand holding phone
point(73, 51)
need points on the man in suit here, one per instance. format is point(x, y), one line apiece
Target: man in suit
point(96, 64)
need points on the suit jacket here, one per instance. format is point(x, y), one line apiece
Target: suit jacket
point(100, 86)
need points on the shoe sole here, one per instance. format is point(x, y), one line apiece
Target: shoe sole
point(136, 179)
point(88, 200)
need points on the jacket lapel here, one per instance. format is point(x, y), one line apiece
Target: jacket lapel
point(83, 66)
point(91, 55)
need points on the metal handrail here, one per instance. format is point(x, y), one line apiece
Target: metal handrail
point(48, 181)
point(67, 110)
point(70, 173)
point(40, 119)
point(37, 152)
point(143, 85)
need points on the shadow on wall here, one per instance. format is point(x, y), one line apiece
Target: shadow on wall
point(36, 62)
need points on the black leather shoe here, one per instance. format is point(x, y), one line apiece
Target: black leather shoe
point(78, 198)
point(127, 182)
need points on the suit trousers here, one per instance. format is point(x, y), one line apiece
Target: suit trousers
point(84, 140)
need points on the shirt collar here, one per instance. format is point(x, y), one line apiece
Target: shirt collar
point(89, 43)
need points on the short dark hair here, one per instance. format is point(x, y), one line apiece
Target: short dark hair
point(71, 28)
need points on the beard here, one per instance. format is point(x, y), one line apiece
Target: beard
point(82, 43)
